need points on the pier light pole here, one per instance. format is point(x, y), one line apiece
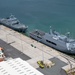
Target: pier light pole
point(6, 38)
point(6, 34)
point(42, 52)
point(21, 42)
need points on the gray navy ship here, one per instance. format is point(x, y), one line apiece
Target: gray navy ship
point(55, 40)
point(13, 23)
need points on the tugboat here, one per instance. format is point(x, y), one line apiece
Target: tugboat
point(13, 23)
point(55, 40)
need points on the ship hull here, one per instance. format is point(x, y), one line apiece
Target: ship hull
point(52, 43)
point(13, 23)
point(15, 28)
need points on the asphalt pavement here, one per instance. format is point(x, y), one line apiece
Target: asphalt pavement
point(12, 52)
point(56, 69)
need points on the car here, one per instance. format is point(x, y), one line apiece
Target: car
point(41, 64)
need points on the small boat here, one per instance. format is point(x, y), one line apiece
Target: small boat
point(55, 40)
point(13, 23)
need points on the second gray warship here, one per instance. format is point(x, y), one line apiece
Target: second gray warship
point(56, 40)
point(13, 23)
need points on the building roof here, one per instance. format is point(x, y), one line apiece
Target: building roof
point(17, 67)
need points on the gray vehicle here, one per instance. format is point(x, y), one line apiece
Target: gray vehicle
point(13, 23)
point(55, 40)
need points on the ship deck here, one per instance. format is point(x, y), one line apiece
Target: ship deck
point(17, 45)
point(38, 32)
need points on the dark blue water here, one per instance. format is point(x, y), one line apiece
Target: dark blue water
point(41, 14)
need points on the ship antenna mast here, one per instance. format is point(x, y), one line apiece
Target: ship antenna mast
point(68, 34)
point(50, 32)
point(11, 14)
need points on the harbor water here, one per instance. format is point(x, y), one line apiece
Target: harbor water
point(41, 14)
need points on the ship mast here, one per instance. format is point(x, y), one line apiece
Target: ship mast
point(50, 32)
point(68, 34)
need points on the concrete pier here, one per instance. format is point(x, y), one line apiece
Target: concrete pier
point(36, 52)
